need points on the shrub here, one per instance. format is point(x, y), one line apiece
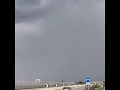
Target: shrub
point(94, 87)
point(104, 85)
point(83, 82)
point(79, 82)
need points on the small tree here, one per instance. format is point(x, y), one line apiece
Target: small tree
point(63, 80)
point(80, 82)
point(94, 87)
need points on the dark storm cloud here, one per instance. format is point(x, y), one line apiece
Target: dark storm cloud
point(23, 15)
point(62, 40)
point(27, 3)
point(34, 12)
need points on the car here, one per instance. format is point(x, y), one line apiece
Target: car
point(67, 88)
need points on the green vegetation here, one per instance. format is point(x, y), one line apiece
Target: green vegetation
point(95, 87)
point(103, 83)
point(79, 82)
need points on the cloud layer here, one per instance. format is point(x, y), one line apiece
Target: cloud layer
point(59, 39)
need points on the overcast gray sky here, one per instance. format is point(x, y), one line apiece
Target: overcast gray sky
point(59, 40)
